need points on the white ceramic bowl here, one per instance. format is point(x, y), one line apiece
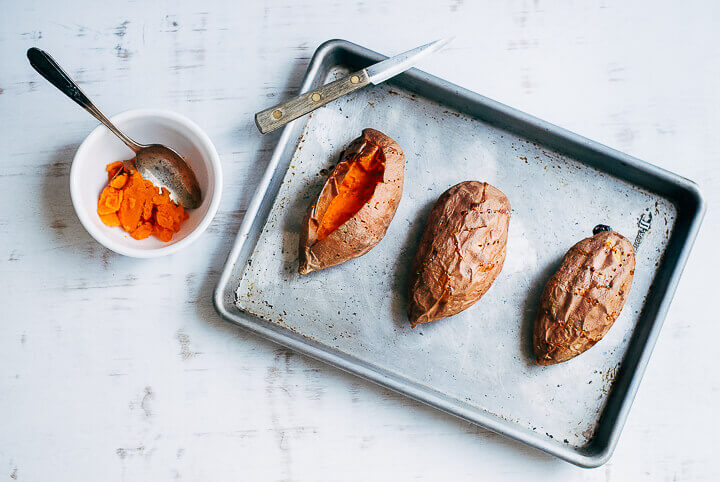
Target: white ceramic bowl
point(88, 177)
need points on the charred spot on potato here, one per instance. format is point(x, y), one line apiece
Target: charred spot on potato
point(600, 228)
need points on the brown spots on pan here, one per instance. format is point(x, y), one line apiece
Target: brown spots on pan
point(608, 377)
point(13, 473)
point(14, 255)
point(588, 433)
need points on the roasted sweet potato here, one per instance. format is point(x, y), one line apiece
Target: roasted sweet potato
point(582, 300)
point(356, 205)
point(461, 252)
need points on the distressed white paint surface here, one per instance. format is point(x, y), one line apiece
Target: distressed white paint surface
point(118, 369)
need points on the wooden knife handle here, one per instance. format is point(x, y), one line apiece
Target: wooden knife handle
point(276, 117)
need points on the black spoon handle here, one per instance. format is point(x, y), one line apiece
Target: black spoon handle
point(48, 68)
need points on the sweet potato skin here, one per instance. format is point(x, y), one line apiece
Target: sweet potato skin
point(367, 227)
point(582, 300)
point(461, 252)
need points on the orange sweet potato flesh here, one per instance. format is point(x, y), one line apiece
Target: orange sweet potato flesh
point(131, 209)
point(110, 219)
point(118, 182)
point(143, 231)
point(138, 206)
point(170, 216)
point(162, 198)
point(110, 201)
point(356, 205)
point(354, 192)
point(113, 168)
point(163, 234)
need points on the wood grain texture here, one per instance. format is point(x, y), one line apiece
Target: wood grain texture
point(119, 369)
point(277, 116)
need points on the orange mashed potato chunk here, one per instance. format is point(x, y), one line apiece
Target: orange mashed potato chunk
point(137, 206)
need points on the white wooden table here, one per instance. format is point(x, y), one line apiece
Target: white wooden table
point(119, 369)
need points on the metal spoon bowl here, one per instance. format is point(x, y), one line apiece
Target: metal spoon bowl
point(159, 164)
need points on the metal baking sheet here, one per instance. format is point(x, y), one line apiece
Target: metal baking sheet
point(478, 364)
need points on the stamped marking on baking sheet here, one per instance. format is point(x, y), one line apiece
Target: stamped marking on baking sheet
point(643, 227)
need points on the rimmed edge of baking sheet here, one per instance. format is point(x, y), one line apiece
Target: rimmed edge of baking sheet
point(683, 193)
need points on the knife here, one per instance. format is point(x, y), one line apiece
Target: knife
point(279, 115)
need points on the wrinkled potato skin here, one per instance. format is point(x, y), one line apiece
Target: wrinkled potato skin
point(461, 252)
point(582, 300)
point(367, 227)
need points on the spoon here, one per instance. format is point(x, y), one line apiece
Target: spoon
point(161, 165)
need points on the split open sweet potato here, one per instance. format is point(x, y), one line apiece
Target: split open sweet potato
point(356, 205)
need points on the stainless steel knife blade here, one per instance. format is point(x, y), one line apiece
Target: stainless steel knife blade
point(393, 66)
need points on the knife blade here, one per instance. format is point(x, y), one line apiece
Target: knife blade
point(382, 71)
point(279, 115)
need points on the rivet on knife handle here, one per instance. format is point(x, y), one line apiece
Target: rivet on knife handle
point(276, 117)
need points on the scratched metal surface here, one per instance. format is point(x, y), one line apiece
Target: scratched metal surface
point(481, 357)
